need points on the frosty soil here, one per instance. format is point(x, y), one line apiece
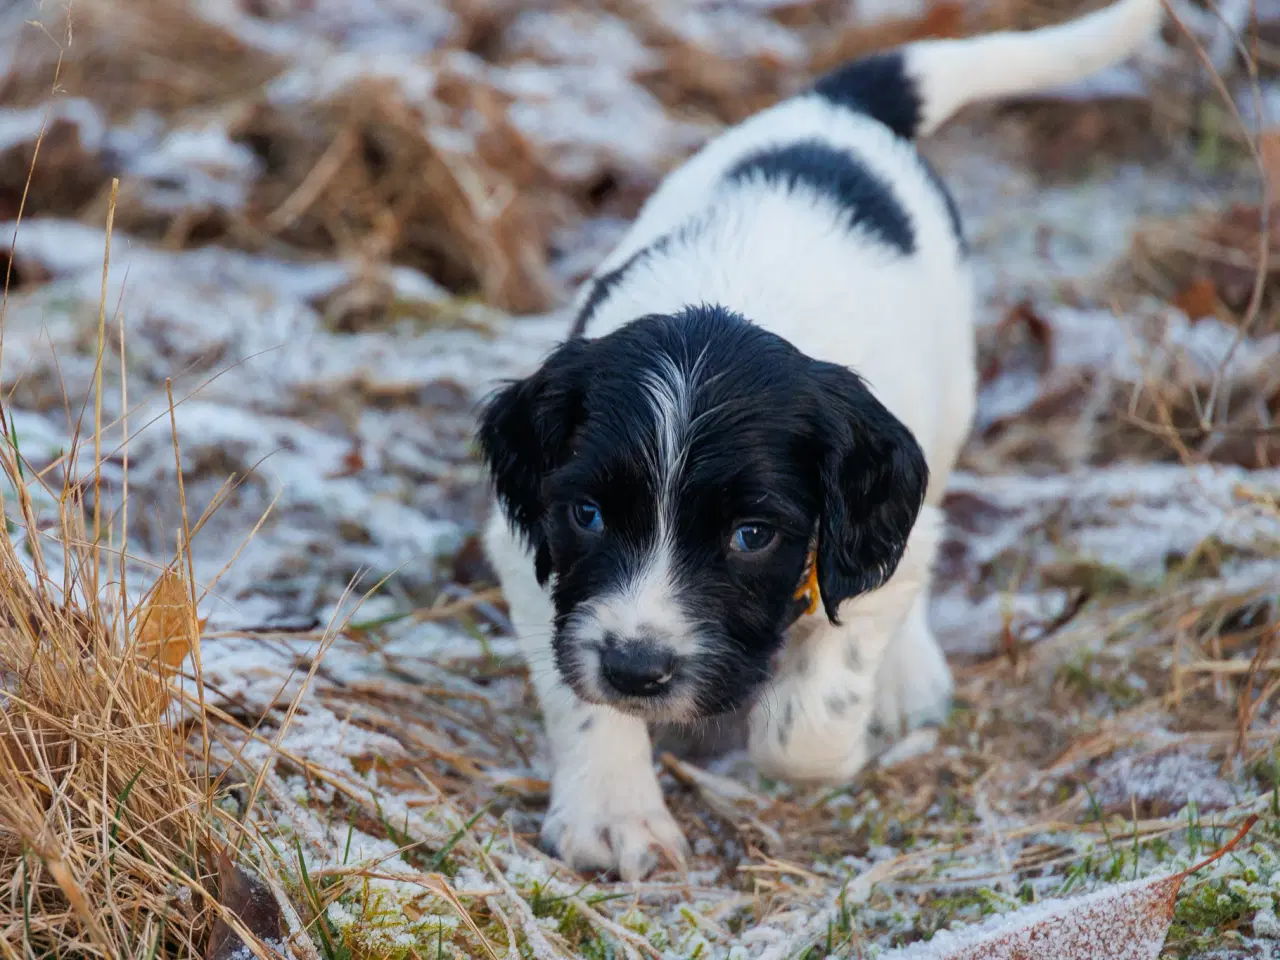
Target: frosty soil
point(339, 393)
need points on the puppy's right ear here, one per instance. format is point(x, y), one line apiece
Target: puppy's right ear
point(524, 433)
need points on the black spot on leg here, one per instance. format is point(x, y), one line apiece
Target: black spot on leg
point(852, 659)
point(838, 703)
point(587, 723)
point(784, 728)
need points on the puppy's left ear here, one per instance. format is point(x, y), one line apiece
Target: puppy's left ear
point(873, 477)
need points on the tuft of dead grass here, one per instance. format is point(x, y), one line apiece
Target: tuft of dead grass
point(107, 830)
point(178, 61)
point(451, 187)
point(106, 839)
point(367, 174)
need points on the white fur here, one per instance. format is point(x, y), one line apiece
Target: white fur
point(953, 73)
point(606, 806)
point(811, 722)
point(788, 261)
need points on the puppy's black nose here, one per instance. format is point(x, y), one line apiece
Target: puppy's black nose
point(637, 668)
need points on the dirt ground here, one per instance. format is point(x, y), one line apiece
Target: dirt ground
point(339, 222)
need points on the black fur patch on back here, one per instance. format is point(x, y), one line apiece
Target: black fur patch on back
point(604, 285)
point(836, 174)
point(878, 86)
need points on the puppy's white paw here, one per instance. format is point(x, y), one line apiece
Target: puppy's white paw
point(621, 827)
point(914, 685)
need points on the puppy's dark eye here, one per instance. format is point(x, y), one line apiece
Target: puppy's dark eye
point(752, 538)
point(586, 516)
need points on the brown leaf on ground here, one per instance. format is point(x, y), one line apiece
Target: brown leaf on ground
point(470, 565)
point(1125, 922)
point(1167, 257)
point(168, 628)
point(352, 462)
point(1231, 252)
point(251, 902)
point(1198, 299)
point(1020, 324)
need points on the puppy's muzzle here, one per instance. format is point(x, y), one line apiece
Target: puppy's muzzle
point(641, 666)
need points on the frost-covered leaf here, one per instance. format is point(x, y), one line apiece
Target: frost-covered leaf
point(249, 900)
point(1125, 922)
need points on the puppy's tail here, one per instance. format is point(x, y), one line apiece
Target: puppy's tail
point(914, 89)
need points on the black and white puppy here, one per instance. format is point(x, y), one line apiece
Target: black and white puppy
point(721, 492)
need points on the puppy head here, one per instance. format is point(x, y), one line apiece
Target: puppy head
point(670, 478)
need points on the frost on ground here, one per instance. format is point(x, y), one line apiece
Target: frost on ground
point(339, 224)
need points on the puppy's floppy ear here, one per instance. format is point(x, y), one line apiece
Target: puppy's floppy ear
point(873, 477)
point(524, 433)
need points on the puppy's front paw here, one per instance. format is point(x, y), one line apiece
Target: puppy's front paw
point(617, 827)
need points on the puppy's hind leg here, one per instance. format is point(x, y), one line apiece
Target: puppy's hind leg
point(607, 811)
point(914, 685)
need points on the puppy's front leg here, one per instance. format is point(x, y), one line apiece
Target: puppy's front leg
point(812, 720)
point(607, 811)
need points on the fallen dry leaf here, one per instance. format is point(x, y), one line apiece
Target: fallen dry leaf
point(1199, 299)
point(1233, 241)
point(1124, 922)
point(168, 629)
point(1020, 318)
point(352, 462)
point(251, 902)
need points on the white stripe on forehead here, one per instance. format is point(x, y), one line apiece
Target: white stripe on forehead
point(670, 393)
point(647, 602)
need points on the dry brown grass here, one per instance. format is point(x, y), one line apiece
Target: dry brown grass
point(106, 836)
point(364, 175)
point(107, 830)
